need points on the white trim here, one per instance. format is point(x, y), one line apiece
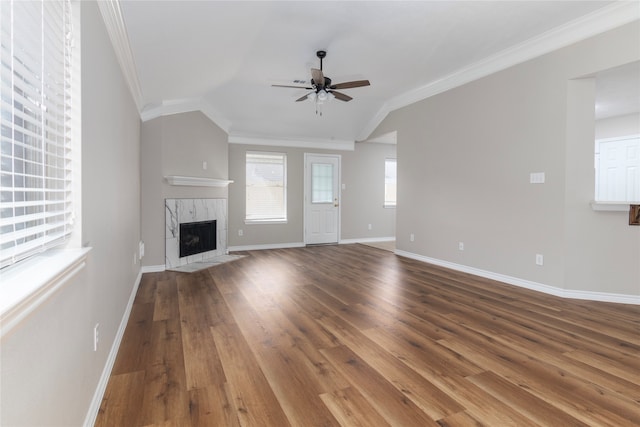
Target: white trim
point(153, 268)
point(385, 138)
point(168, 107)
point(528, 284)
point(604, 19)
point(186, 105)
point(367, 240)
point(117, 30)
point(266, 246)
point(266, 221)
point(611, 206)
point(196, 181)
point(325, 144)
point(307, 196)
point(92, 413)
point(30, 283)
point(618, 138)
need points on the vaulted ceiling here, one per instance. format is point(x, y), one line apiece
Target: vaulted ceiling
point(223, 57)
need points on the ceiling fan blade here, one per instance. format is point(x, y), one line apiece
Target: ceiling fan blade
point(349, 85)
point(318, 77)
point(294, 87)
point(302, 98)
point(341, 96)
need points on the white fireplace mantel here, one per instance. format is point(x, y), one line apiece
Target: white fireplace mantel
point(195, 181)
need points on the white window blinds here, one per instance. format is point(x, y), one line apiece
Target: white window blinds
point(266, 186)
point(35, 204)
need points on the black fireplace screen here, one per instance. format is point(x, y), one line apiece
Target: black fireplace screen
point(197, 237)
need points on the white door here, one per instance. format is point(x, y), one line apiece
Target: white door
point(321, 198)
point(618, 170)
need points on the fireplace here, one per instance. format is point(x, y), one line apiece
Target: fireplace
point(205, 237)
point(197, 237)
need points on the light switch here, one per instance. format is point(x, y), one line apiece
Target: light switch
point(536, 177)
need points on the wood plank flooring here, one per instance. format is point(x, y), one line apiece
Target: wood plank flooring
point(352, 335)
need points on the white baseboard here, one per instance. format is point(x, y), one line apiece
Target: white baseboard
point(90, 419)
point(153, 268)
point(528, 284)
point(367, 240)
point(267, 246)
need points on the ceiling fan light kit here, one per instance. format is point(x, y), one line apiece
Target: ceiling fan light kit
point(322, 89)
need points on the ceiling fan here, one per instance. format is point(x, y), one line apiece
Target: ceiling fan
point(322, 88)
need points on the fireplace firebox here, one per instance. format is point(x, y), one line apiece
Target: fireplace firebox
point(197, 237)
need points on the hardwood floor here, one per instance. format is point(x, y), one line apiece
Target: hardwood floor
point(356, 336)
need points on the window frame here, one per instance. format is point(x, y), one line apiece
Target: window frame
point(32, 281)
point(283, 219)
point(388, 203)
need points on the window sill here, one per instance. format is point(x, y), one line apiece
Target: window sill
point(265, 221)
point(28, 284)
point(611, 206)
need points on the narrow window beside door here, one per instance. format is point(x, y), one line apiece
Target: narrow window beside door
point(390, 168)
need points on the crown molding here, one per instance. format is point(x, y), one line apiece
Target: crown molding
point(114, 22)
point(326, 144)
point(592, 24)
point(186, 105)
point(168, 107)
point(385, 138)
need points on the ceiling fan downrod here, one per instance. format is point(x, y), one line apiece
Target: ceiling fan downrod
point(321, 54)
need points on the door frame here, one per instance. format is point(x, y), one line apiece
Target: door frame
point(306, 196)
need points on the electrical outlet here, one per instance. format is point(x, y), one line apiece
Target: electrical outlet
point(140, 249)
point(539, 259)
point(96, 336)
point(461, 246)
point(412, 237)
point(204, 166)
point(241, 232)
point(369, 227)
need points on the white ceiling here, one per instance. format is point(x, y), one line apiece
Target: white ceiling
point(222, 57)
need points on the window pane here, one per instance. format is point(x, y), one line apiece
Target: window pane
point(266, 186)
point(35, 117)
point(321, 183)
point(390, 166)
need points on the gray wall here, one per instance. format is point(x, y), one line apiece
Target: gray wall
point(362, 173)
point(464, 159)
point(363, 197)
point(177, 145)
point(612, 127)
point(49, 369)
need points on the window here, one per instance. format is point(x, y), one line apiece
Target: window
point(390, 168)
point(35, 204)
point(617, 163)
point(321, 183)
point(266, 192)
